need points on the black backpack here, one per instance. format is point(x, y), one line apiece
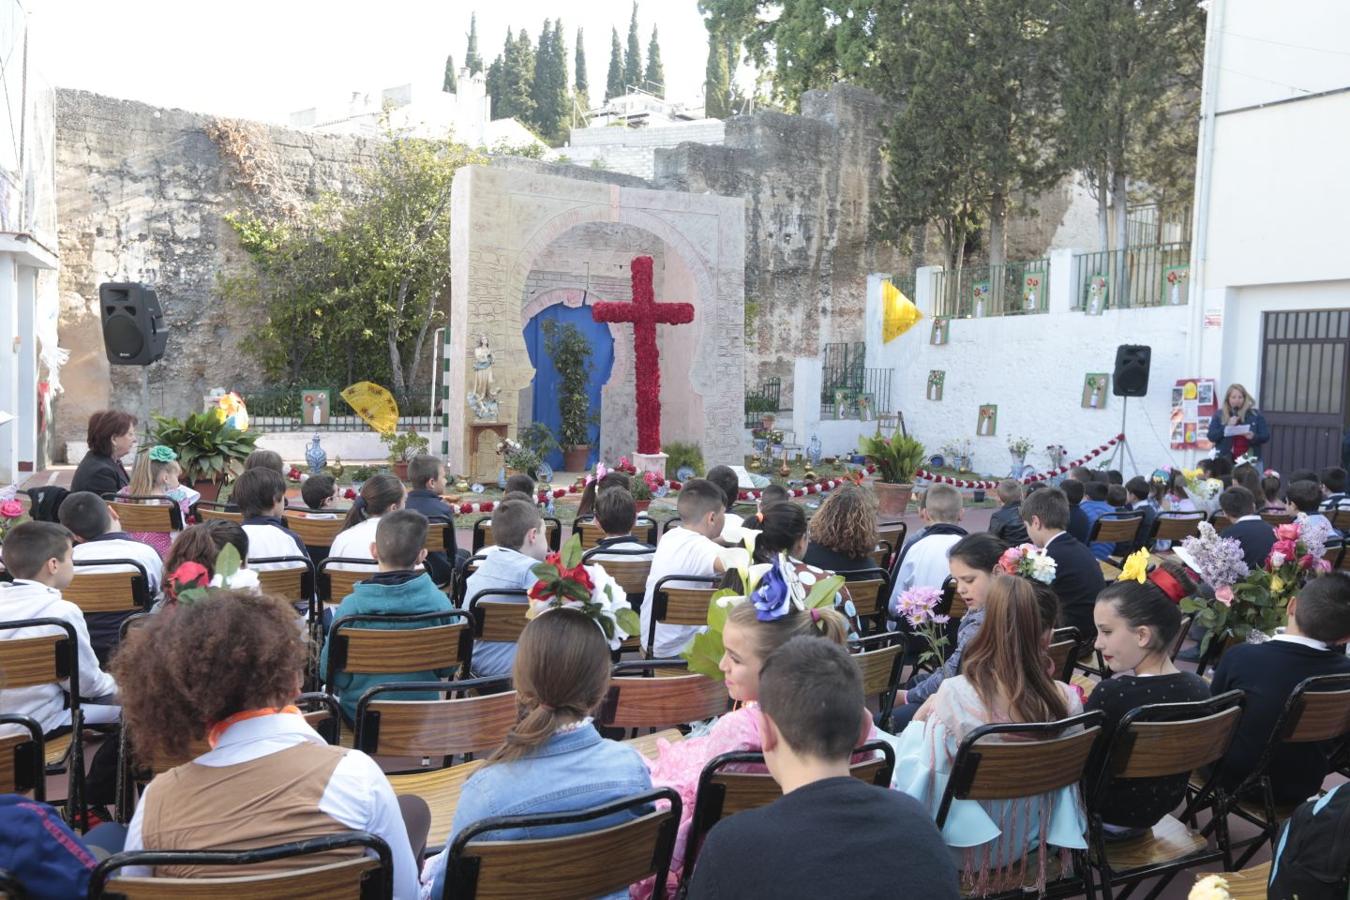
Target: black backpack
point(47, 501)
point(1312, 859)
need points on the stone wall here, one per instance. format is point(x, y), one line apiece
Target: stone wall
point(141, 194)
point(633, 150)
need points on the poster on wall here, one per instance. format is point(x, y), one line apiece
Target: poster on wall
point(1031, 291)
point(939, 333)
point(1095, 301)
point(988, 421)
point(935, 379)
point(1193, 405)
point(1174, 284)
point(1094, 390)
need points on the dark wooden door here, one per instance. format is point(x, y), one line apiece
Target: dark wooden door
point(1304, 364)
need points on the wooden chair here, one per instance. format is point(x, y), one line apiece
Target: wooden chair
point(1317, 711)
point(151, 512)
point(881, 555)
point(23, 759)
point(893, 535)
point(1157, 741)
point(870, 590)
point(43, 659)
point(734, 782)
point(680, 605)
point(316, 533)
point(1175, 526)
point(637, 700)
point(499, 620)
point(444, 642)
point(440, 536)
point(589, 864)
point(1041, 758)
point(461, 579)
point(629, 565)
point(482, 533)
point(336, 582)
point(126, 591)
point(359, 876)
point(1248, 884)
point(1116, 527)
point(591, 533)
point(294, 583)
point(881, 658)
point(435, 730)
point(1220, 522)
point(1340, 518)
point(206, 511)
point(1276, 519)
point(1064, 644)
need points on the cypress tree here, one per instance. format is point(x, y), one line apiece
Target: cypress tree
point(632, 60)
point(449, 83)
point(549, 89)
point(716, 79)
point(614, 82)
point(496, 78)
point(655, 76)
point(472, 61)
point(580, 80)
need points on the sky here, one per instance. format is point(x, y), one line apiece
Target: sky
point(263, 59)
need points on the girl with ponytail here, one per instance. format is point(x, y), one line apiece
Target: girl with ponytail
point(553, 760)
point(380, 494)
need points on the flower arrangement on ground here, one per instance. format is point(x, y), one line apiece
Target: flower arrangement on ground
point(919, 607)
point(1203, 491)
point(1019, 446)
point(565, 582)
point(1029, 561)
point(1056, 453)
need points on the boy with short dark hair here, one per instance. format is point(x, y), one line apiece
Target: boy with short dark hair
point(1006, 521)
point(812, 716)
point(690, 549)
point(521, 482)
point(1267, 673)
point(770, 495)
point(1078, 576)
point(519, 543)
point(729, 483)
point(1248, 528)
point(1304, 498)
point(426, 474)
point(260, 493)
point(1333, 488)
point(923, 560)
point(1095, 505)
point(616, 514)
point(396, 590)
point(1078, 521)
point(317, 491)
point(1139, 494)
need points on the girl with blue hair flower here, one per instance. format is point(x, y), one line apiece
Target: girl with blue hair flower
point(156, 474)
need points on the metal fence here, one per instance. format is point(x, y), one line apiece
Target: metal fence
point(1011, 289)
point(767, 398)
point(867, 395)
point(1149, 224)
point(282, 409)
point(1156, 275)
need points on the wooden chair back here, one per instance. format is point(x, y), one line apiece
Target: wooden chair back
point(1116, 527)
point(1340, 518)
point(881, 658)
point(1276, 519)
point(631, 574)
point(499, 620)
point(428, 641)
point(634, 701)
point(289, 577)
point(208, 511)
point(337, 581)
point(40, 659)
point(1177, 526)
point(427, 728)
point(1319, 710)
point(461, 579)
point(109, 592)
point(680, 605)
point(1062, 650)
point(1220, 522)
point(1163, 739)
point(987, 768)
point(262, 877)
point(482, 533)
point(592, 534)
point(881, 554)
point(153, 513)
point(439, 534)
point(870, 591)
point(22, 758)
point(952, 603)
point(587, 864)
point(893, 535)
point(317, 533)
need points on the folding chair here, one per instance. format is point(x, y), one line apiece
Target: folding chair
point(51, 659)
point(892, 534)
point(23, 759)
point(295, 582)
point(499, 620)
point(461, 581)
point(1039, 760)
point(1063, 646)
point(629, 566)
point(881, 555)
point(444, 642)
point(482, 533)
point(427, 729)
point(734, 782)
point(1220, 522)
point(336, 582)
point(1317, 711)
point(1161, 740)
point(870, 590)
point(1175, 527)
point(589, 864)
point(206, 511)
point(316, 533)
point(107, 598)
point(1116, 527)
point(1340, 518)
point(881, 658)
point(636, 699)
point(680, 605)
point(262, 874)
point(440, 538)
point(150, 512)
point(591, 533)
point(1276, 519)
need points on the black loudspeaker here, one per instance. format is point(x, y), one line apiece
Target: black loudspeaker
point(133, 324)
point(1131, 376)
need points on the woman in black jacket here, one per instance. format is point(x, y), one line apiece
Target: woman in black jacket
point(112, 435)
point(1238, 408)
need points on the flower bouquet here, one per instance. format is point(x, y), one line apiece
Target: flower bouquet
point(625, 465)
point(565, 582)
point(1019, 446)
point(1056, 453)
point(1029, 561)
point(1204, 492)
point(919, 607)
point(11, 512)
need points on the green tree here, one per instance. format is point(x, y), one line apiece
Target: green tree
point(549, 89)
point(632, 58)
point(614, 80)
point(716, 78)
point(496, 77)
point(449, 83)
point(655, 76)
point(516, 79)
point(580, 79)
point(472, 61)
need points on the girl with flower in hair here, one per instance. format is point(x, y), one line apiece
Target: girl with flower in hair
point(192, 560)
point(156, 473)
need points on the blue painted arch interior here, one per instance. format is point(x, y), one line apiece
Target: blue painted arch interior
point(546, 384)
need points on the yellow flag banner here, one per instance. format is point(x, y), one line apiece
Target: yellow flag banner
point(899, 314)
point(374, 404)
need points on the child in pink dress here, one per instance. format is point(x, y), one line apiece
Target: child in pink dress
point(156, 473)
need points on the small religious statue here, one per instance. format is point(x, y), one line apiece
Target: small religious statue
point(483, 398)
point(315, 456)
point(813, 451)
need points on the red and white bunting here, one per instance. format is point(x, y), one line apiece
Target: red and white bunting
point(1030, 479)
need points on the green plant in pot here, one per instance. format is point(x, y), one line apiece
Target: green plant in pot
point(571, 355)
point(897, 458)
point(538, 439)
point(522, 459)
point(402, 448)
point(210, 451)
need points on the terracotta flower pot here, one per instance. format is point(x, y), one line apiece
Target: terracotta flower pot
point(892, 499)
point(210, 490)
point(401, 470)
point(641, 505)
point(574, 459)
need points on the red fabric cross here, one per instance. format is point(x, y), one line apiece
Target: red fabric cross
point(645, 314)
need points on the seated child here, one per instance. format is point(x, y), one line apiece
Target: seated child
point(259, 459)
point(260, 493)
point(1176, 499)
point(812, 715)
point(426, 473)
point(1001, 681)
point(689, 549)
point(1114, 476)
point(156, 473)
point(1333, 489)
point(1271, 490)
point(1319, 617)
point(554, 760)
point(1248, 529)
point(783, 533)
point(1094, 507)
point(397, 590)
point(729, 483)
point(201, 544)
point(521, 482)
point(519, 544)
point(225, 669)
point(586, 505)
point(1140, 499)
point(1137, 627)
point(319, 493)
point(843, 531)
point(99, 535)
point(1078, 526)
point(1116, 496)
point(616, 515)
point(380, 494)
point(1006, 522)
point(1078, 577)
point(1303, 499)
point(923, 563)
point(771, 495)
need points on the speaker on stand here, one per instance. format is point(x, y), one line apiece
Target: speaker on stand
point(134, 331)
point(1130, 379)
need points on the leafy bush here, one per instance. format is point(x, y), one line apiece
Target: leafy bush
point(896, 457)
point(683, 453)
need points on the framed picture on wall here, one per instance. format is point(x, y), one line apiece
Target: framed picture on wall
point(1095, 301)
point(987, 425)
point(314, 406)
point(1094, 390)
point(935, 379)
point(939, 333)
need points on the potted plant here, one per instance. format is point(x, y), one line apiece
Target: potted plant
point(571, 356)
point(523, 460)
point(896, 459)
point(642, 494)
point(1018, 447)
point(210, 451)
point(538, 439)
point(402, 448)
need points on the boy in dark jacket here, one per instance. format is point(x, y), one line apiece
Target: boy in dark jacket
point(1006, 522)
point(426, 473)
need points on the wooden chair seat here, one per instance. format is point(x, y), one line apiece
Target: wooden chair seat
point(314, 532)
point(1109, 572)
point(441, 789)
point(1084, 683)
point(1169, 840)
point(649, 744)
point(207, 513)
point(57, 748)
point(1247, 884)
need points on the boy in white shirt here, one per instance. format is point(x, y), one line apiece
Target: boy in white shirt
point(924, 560)
point(730, 484)
point(260, 494)
point(689, 549)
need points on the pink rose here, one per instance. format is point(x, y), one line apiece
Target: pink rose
point(1275, 560)
point(1287, 532)
point(1308, 562)
point(1224, 595)
point(11, 509)
point(1287, 547)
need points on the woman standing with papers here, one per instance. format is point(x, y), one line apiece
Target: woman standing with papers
point(1237, 428)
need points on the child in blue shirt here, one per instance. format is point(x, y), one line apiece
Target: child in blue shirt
point(520, 543)
point(1094, 506)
